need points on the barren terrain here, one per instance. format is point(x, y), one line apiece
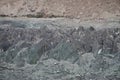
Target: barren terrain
point(82, 9)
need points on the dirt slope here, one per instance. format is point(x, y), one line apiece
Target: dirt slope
point(61, 8)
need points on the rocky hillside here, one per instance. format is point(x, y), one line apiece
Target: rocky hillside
point(83, 9)
point(59, 49)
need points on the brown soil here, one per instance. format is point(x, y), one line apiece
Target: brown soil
point(90, 9)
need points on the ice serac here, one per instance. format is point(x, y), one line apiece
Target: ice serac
point(53, 50)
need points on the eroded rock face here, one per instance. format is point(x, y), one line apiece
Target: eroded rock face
point(90, 9)
point(45, 53)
